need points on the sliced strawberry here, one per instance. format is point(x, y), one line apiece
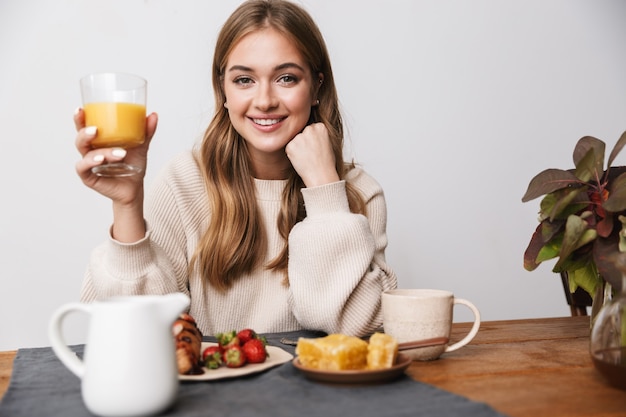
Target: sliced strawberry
point(255, 351)
point(234, 357)
point(212, 357)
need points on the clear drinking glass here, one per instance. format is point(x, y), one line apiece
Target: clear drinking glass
point(116, 104)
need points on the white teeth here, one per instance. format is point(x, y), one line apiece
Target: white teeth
point(266, 122)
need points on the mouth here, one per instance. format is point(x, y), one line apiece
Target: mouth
point(268, 122)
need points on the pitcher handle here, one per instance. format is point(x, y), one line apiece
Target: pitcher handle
point(468, 338)
point(57, 341)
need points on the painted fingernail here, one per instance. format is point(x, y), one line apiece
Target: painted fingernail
point(98, 158)
point(91, 130)
point(119, 152)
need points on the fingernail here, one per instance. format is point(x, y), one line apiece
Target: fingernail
point(98, 158)
point(91, 130)
point(76, 111)
point(119, 152)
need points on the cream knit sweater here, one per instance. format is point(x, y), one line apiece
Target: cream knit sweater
point(337, 268)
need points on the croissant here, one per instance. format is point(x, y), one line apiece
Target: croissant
point(188, 339)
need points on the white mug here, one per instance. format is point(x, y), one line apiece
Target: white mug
point(417, 314)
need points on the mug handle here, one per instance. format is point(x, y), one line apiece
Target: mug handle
point(468, 338)
point(59, 346)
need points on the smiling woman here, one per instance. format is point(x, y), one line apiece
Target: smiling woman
point(264, 225)
point(269, 92)
point(451, 123)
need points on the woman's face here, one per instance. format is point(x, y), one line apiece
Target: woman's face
point(268, 88)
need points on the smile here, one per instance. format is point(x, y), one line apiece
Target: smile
point(267, 122)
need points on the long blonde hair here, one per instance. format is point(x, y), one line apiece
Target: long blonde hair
point(234, 242)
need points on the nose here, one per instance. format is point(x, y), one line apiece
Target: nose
point(265, 97)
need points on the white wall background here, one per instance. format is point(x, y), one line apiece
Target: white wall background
point(452, 105)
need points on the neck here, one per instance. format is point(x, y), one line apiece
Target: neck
point(277, 168)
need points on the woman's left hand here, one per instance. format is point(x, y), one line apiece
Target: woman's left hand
point(311, 155)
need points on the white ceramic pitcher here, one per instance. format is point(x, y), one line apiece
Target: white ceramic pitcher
point(129, 365)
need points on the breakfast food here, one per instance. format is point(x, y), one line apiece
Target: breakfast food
point(338, 352)
point(188, 339)
point(236, 349)
point(335, 352)
point(254, 350)
point(212, 357)
point(382, 351)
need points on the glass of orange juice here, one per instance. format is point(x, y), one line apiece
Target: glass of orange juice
point(116, 104)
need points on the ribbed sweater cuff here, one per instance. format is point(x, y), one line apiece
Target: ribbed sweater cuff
point(328, 198)
point(129, 261)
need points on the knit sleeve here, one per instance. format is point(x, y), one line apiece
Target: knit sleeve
point(127, 269)
point(157, 264)
point(337, 266)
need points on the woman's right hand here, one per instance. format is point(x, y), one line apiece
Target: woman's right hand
point(122, 190)
point(125, 192)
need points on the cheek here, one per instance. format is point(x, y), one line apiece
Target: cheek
point(233, 101)
point(299, 102)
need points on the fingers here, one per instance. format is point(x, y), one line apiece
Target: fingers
point(97, 157)
point(79, 118)
point(151, 124)
point(311, 155)
point(86, 134)
point(84, 137)
point(93, 157)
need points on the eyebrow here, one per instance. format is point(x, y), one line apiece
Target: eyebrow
point(280, 67)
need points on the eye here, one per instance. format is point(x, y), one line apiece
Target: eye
point(287, 79)
point(243, 81)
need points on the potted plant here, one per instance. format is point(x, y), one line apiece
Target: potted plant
point(582, 218)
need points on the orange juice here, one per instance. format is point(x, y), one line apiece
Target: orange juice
point(119, 124)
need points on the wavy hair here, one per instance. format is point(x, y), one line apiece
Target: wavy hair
point(234, 242)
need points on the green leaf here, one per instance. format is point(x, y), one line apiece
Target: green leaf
point(587, 168)
point(587, 278)
point(548, 181)
point(549, 251)
point(595, 165)
point(568, 201)
point(549, 229)
point(577, 234)
point(573, 262)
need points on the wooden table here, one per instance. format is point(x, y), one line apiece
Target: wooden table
point(538, 367)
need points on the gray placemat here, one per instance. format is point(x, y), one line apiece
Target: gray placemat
point(42, 386)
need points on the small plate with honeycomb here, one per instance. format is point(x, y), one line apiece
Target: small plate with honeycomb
point(366, 376)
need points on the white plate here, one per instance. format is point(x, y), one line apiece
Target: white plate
point(276, 357)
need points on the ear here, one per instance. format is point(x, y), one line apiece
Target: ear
point(320, 81)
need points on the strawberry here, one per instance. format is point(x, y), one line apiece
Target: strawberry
point(226, 340)
point(245, 335)
point(234, 357)
point(255, 351)
point(212, 357)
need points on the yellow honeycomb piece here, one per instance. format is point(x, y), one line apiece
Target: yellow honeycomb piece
point(382, 351)
point(334, 352)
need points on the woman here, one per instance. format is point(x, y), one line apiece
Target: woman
point(263, 225)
